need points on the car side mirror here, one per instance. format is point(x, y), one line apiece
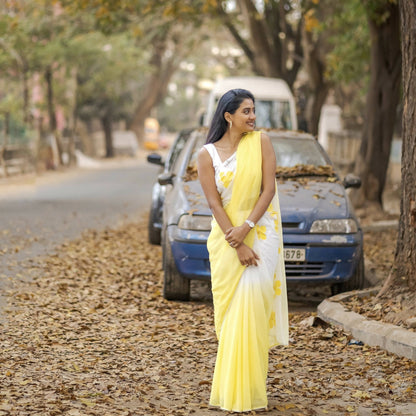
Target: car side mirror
point(351, 181)
point(165, 179)
point(156, 159)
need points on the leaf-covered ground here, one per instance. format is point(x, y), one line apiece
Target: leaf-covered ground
point(92, 335)
point(398, 305)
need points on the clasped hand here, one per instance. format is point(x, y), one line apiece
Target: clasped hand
point(235, 237)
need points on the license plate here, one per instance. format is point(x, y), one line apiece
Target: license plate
point(294, 254)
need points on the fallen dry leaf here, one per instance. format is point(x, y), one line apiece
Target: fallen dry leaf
point(92, 335)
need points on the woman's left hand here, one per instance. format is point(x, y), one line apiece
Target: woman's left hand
point(236, 235)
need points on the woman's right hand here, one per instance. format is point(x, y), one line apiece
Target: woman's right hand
point(246, 255)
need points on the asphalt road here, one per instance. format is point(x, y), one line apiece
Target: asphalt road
point(36, 218)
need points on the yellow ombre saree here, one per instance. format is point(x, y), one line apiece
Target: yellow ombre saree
point(250, 303)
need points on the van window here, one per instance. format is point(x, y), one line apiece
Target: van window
point(273, 114)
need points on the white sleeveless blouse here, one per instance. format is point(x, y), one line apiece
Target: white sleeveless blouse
point(224, 172)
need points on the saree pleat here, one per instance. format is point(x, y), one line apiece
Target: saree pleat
point(250, 303)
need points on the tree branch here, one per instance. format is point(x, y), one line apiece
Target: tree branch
point(259, 37)
point(235, 33)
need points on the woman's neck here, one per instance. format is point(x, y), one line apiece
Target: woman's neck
point(232, 139)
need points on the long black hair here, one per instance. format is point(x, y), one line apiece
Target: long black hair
point(228, 103)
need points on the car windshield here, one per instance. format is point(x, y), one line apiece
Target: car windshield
point(291, 152)
point(300, 157)
point(295, 157)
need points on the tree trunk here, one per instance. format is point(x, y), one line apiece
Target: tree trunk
point(38, 144)
point(107, 123)
point(144, 108)
point(404, 269)
point(72, 160)
point(155, 89)
point(381, 107)
point(26, 104)
point(260, 44)
point(6, 132)
point(51, 112)
point(27, 116)
point(314, 52)
point(72, 119)
point(314, 105)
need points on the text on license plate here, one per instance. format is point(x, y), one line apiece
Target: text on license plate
point(294, 254)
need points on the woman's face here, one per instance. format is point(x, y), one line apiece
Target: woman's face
point(245, 117)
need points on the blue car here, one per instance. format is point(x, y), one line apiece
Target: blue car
point(323, 241)
point(158, 191)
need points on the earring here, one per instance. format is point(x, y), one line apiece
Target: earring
point(231, 124)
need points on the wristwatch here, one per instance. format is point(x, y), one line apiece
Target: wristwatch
point(250, 223)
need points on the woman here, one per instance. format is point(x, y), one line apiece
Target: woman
point(237, 172)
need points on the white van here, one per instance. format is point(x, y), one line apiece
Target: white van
point(275, 104)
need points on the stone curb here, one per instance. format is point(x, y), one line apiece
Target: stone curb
point(381, 225)
point(390, 337)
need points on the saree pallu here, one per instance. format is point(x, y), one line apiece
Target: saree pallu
point(250, 303)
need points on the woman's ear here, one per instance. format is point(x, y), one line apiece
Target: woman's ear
point(227, 116)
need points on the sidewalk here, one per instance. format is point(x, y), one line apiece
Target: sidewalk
point(389, 337)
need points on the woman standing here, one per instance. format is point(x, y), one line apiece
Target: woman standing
point(237, 172)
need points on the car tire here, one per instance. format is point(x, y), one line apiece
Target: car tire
point(154, 234)
point(175, 286)
point(356, 282)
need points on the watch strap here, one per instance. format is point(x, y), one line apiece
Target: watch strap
point(250, 223)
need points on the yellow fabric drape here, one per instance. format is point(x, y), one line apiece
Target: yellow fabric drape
point(250, 320)
point(246, 189)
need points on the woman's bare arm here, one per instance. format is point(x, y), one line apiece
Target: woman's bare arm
point(206, 173)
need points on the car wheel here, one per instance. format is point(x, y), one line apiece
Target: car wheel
point(154, 234)
point(175, 286)
point(356, 281)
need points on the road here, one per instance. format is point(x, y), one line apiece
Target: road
point(36, 218)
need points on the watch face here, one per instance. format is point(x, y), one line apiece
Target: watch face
point(250, 223)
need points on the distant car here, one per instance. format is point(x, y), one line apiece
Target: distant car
point(323, 242)
point(158, 191)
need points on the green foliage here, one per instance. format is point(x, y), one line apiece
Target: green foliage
point(348, 61)
point(345, 29)
point(108, 72)
point(145, 18)
point(11, 104)
point(37, 34)
point(106, 45)
point(164, 32)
